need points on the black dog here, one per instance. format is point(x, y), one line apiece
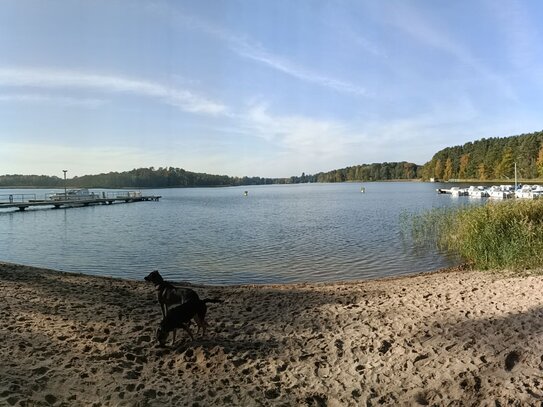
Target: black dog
point(168, 294)
point(180, 316)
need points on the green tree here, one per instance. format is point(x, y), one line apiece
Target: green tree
point(481, 172)
point(505, 167)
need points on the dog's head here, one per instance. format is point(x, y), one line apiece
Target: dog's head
point(154, 277)
point(161, 336)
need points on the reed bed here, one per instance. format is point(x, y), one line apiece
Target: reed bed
point(497, 235)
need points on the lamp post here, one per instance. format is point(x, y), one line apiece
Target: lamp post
point(65, 194)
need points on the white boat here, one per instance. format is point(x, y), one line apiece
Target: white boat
point(73, 195)
point(477, 192)
point(454, 191)
point(501, 191)
point(529, 192)
point(457, 191)
point(538, 190)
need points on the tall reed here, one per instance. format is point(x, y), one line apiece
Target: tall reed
point(497, 235)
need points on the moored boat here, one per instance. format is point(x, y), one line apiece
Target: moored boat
point(477, 192)
point(457, 191)
point(501, 191)
point(73, 194)
point(529, 192)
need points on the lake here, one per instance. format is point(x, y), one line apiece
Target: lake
point(275, 234)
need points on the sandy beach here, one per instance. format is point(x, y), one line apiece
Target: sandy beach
point(450, 338)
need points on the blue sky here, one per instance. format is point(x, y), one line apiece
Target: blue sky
point(258, 87)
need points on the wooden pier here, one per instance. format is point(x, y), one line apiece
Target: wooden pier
point(24, 201)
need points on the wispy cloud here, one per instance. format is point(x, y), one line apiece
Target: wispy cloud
point(45, 78)
point(49, 99)
point(303, 135)
point(250, 49)
point(258, 53)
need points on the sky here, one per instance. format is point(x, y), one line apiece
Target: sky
point(258, 87)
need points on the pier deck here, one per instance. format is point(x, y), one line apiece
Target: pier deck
point(24, 201)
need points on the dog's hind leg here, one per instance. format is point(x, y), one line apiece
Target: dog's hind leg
point(186, 328)
point(201, 323)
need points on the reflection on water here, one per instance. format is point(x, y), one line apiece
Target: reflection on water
point(316, 232)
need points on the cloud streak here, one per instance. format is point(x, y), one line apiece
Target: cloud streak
point(259, 54)
point(250, 49)
point(55, 79)
point(48, 99)
point(301, 134)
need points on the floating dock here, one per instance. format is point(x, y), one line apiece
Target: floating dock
point(24, 201)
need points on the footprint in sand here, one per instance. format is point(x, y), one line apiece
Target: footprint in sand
point(511, 360)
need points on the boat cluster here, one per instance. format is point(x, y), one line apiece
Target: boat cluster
point(497, 191)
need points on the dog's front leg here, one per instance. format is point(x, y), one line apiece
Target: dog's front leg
point(173, 336)
point(164, 309)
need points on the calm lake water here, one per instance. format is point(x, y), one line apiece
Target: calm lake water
point(276, 234)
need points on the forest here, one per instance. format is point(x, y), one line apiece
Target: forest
point(136, 178)
point(489, 159)
point(485, 160)
point(176, 177)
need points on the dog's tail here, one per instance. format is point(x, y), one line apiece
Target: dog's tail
point(212, 300)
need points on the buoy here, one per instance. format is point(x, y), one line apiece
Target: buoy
point(362, 189)
point(245, 193)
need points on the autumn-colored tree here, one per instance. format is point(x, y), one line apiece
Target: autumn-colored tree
point(438, 170)
point(448, 172)
point(464, 161)
point(539, 162)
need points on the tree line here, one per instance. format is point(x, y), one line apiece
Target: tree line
point(178, 177)
point(136, 178)
point(485, 159)
point(372, 172)
point(489, 159)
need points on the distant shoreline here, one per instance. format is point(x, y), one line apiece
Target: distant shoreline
point(217, 186)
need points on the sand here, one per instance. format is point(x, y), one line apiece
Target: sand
point(451, 338)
